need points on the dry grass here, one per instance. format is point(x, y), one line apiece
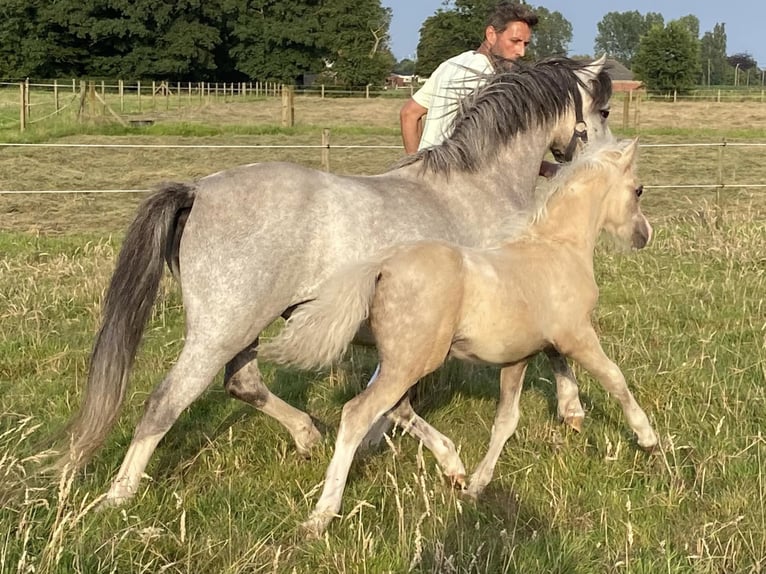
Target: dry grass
point(684, 319)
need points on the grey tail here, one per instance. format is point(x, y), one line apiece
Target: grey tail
point(127, 307)
point(319, 331)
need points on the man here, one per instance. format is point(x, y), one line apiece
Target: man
point(506, 37)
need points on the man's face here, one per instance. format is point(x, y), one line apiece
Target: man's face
point(512, 42)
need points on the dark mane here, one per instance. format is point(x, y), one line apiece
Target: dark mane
point(514, 101)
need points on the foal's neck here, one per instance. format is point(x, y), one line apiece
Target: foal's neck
point(573, 216)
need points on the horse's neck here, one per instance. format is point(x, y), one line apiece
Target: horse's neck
point(513, 173)
point(504, 186)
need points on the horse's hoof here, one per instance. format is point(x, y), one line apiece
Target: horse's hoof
point(574, 422)
point(306, 445)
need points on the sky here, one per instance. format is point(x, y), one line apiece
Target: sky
point(745, 21)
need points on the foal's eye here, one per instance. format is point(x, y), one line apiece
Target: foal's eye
point(604, 114)
point(639, 190)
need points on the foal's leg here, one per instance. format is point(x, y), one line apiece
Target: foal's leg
point(405, 417)
point(506, 420)
point(242, 380)
point(589, 353)
point(567, 394)
point(441, 447)
point(358, 416)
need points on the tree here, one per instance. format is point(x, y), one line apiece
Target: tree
point(552, 35)
point(354, 35)
point(404, 67)
point(275, 40)
point(668, 59)
point(692, 24)
point(619, 34)
point(443, 35)
point(713, 55)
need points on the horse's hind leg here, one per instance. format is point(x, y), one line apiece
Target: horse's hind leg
point(190, 376)
point(567, 393)
point(506, 420)
point(243, 381)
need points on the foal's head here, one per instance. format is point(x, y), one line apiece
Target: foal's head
point(621, 211)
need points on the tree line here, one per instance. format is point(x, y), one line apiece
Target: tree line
point(341, 42)
point(666, 57)
point(197, 40)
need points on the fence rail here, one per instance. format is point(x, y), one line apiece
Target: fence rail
point(326, 147)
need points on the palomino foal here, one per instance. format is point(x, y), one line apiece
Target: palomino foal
point(427, 300)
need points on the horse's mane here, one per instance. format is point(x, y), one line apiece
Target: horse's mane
point(512, 101)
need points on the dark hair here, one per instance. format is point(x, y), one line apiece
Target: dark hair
point(506, 12)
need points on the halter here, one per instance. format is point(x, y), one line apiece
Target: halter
point(580, 129)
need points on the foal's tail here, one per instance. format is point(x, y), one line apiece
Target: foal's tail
point(126, 310)
point(318, 332)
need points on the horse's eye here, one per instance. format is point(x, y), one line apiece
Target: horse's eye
point(639, 190)
point(604, 114)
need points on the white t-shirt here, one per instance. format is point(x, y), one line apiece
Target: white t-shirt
point(453, 80)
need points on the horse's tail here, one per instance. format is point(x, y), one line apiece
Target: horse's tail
point(319, 331)
point(127, 306)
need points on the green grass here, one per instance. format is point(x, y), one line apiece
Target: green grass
point(226, 490)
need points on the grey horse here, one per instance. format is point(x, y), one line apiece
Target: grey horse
point(253, 242)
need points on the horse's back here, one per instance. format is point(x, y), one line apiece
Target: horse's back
point(288, 226)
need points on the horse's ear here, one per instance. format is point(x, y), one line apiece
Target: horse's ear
point(592, 70)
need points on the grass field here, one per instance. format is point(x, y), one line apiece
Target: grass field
point(685, 319)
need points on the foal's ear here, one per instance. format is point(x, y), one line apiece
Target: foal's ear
point(629, 154)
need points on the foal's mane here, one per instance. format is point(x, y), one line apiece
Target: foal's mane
point(510, 102)
point(596, 157)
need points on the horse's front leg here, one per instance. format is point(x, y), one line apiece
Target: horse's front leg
point(567, 393)
point(506, 420)
point(589, 353)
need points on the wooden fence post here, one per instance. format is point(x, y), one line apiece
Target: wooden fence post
point(626, 112)
point(720, 182)
point(121, 89)
point(22, 106)
point(288, 106)
point(326, 149)
point(138, 93)
point(56, 95)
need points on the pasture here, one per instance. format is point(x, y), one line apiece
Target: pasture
point(685, 319)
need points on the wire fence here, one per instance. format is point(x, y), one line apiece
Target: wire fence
point(327, 147)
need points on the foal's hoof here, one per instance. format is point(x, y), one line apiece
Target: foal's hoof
point(574, 422)
point(314, 527)
point(457, 481)
point(651, 449)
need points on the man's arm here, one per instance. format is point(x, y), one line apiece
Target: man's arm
point(409, 118)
